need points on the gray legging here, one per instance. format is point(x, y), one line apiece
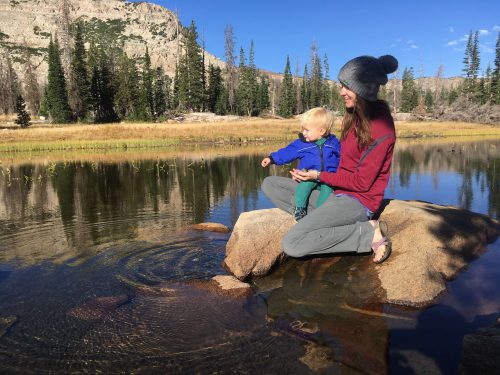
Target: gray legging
point(339, 225)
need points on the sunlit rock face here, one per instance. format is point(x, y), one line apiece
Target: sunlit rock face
point(26, 26)
point(255, 244)
point(431, 244)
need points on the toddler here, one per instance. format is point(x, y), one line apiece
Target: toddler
point(316, 149)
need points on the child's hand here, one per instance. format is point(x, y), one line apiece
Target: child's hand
point(265, 162)
point(299, 175)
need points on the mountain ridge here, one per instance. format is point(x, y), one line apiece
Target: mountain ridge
point(27, 25)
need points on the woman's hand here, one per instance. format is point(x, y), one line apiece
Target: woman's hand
point(299, 175)
point(265, 162)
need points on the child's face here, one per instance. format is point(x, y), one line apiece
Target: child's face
point(312, 133)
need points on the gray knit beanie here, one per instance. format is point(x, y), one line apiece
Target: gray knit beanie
point(365, 74)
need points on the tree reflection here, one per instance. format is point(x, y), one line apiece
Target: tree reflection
point(92, 203)
point(99, 202)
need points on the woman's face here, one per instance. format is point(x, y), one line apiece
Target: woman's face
point(349, 97)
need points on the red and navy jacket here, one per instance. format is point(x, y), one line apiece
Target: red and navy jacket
point(364, 172)
point(311, 156)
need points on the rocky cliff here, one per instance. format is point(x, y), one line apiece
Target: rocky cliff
point(26, 27)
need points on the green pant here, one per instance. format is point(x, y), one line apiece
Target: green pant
point(304, 191)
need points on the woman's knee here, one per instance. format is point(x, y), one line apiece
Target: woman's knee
point(267, 184)
point(291, 247)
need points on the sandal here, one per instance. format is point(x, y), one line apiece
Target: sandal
point(385, 240)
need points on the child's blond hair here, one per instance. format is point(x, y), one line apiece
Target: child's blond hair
point(319, 117)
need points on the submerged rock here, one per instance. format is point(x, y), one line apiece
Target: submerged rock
point(255, 244)
point(98, 308)
point(210, 227)
point(431, 244)
point(225, 285)
point(480, 354)
point(226, 282)
point(6, 323)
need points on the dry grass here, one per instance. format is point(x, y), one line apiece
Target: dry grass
point(135, 135)
point(191, 152)
point(444, 129)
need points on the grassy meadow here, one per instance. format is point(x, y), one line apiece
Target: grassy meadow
point(50, 137)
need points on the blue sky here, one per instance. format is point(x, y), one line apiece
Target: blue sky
point(420, 34)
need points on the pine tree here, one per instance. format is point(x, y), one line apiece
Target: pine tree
point(231, 76)
point(247, 85)
point(475, 60)
point(316, 81)
point(495, 79)
point(467, 61)
point(44, 105)
point(488, 79)
point(297, 81)
point(305, 90)
point(475, 64)
point(471, 65)
point(252, 76)
point(287, 93)
point(327, 92)
point(221, 106)
point(101, 90)
point(175, 90)
point(127, 89)
point(23, 117)
point(195, 70)
point(481, 91)
point(181, 88)
point(243, 94)
point(263, 100)
point(57, 96)
point(409, 95)
point(215, 87)
point(145, 110)
point(79, 67)
point(159, 94)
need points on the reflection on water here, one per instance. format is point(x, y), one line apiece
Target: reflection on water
point(98, 272)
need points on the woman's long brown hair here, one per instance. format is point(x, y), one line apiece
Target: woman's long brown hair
point(360, 116)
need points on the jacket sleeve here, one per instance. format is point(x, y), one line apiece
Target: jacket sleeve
point(371, 163)
point(286, 154)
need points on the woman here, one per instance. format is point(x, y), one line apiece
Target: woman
point(342, 223)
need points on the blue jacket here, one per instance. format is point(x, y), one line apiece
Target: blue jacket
point(310, 155)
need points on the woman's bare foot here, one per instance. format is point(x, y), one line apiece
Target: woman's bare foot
point(378, 251)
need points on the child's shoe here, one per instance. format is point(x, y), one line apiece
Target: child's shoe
point(299, 213)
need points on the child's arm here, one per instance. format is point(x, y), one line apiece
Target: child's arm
point(287, 154)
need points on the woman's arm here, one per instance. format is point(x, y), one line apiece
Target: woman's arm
point(371, 163)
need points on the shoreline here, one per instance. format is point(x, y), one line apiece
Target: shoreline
point(122, 136)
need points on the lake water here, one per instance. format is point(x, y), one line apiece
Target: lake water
point(99, 273)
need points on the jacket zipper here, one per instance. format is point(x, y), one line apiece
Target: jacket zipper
point(320, 147)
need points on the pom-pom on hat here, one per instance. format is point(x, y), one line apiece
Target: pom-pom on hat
point(365, 74)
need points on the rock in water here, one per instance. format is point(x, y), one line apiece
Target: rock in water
point(255, 244)
point(431, 244)
point(6, 323)
point(98, 308)
point(480, 354)
point(211, 227)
